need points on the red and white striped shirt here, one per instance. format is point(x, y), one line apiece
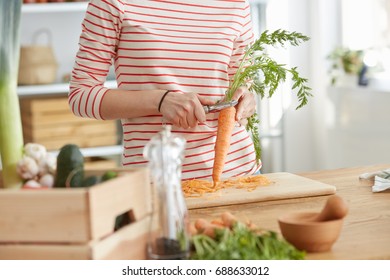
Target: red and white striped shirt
point(179, 45)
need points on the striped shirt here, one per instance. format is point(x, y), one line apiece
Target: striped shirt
point(178, 45)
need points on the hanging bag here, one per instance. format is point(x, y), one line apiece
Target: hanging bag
point(37, 63)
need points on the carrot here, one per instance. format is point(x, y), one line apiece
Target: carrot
point(228, 219)
point(250, 225)
point(205, 227)
point(192, 229)
point(210, 231)
point(226, 122)
point(201, 224)
point(218, 222)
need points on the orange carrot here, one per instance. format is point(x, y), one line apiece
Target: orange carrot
point(210, 231)
point(228, 219)
point(250, 225)
point(205, 227)
point(192, 229)
point(218, 222)
point(201, 224)
point(226, 122)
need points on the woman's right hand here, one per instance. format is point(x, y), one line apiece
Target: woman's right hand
point(184, 110)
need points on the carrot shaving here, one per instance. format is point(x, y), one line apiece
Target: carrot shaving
point(197, 187)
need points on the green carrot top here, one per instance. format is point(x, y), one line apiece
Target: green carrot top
point(265, 75)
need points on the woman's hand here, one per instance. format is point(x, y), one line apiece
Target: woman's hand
point(184, 109)
point(246, 106)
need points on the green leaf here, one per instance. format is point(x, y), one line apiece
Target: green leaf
point(241, 243)
point(255, 62)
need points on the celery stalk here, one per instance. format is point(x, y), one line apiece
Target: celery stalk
point(11, 133)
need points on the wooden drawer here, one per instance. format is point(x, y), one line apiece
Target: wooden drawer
point(50, 122)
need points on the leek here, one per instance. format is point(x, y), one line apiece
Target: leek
point(11, 133)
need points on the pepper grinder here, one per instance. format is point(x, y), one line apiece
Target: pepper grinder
point(168, 236)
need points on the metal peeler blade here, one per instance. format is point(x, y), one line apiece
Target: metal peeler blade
point(219, 106)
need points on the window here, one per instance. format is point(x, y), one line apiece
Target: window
point(366, 26)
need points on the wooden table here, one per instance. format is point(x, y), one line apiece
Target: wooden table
point(366, 231)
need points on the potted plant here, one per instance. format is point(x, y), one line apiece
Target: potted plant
point(345, 61)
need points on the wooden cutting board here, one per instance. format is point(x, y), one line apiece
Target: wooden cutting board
point(284, 185)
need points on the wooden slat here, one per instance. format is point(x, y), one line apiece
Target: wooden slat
point(46, 215)
point(44, 105)
point(53, 119)
point(100, 163)
point(44, 252)
point(82, 142)
point(128, 243)
point(122, 198)
point(80, 129)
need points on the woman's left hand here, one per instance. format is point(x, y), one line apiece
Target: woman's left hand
point(246, 106)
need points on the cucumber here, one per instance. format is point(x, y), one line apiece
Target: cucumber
point(70, 161)
point(90, 181)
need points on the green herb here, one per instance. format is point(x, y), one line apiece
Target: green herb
point(11, 133)
point(265, 74)
point(242, 243)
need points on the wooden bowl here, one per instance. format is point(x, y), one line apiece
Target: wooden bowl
point(300, 230)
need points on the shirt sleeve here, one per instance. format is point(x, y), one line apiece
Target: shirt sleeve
point(97, 48)
point(245, 38)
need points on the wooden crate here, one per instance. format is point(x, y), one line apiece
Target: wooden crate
point(77, 223)
point(49, 121)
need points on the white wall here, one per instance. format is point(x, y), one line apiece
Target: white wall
point(299, 140)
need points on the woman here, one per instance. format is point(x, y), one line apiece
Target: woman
point(170, 57)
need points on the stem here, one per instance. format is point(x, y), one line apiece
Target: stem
point(236, 80)
point(11, 133)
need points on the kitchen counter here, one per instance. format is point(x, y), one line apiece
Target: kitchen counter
point(366, 231)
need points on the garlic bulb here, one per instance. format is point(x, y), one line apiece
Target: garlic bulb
point(47, 180)
point(31, 184)
point(36, 151)
point(27, 168)
point(37, 167)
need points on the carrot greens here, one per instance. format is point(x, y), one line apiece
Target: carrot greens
point(242, 243)
point(265, 75)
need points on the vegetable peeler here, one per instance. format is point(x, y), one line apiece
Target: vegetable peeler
point(219, 106)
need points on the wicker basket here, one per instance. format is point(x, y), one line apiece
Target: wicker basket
point(37, 64)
